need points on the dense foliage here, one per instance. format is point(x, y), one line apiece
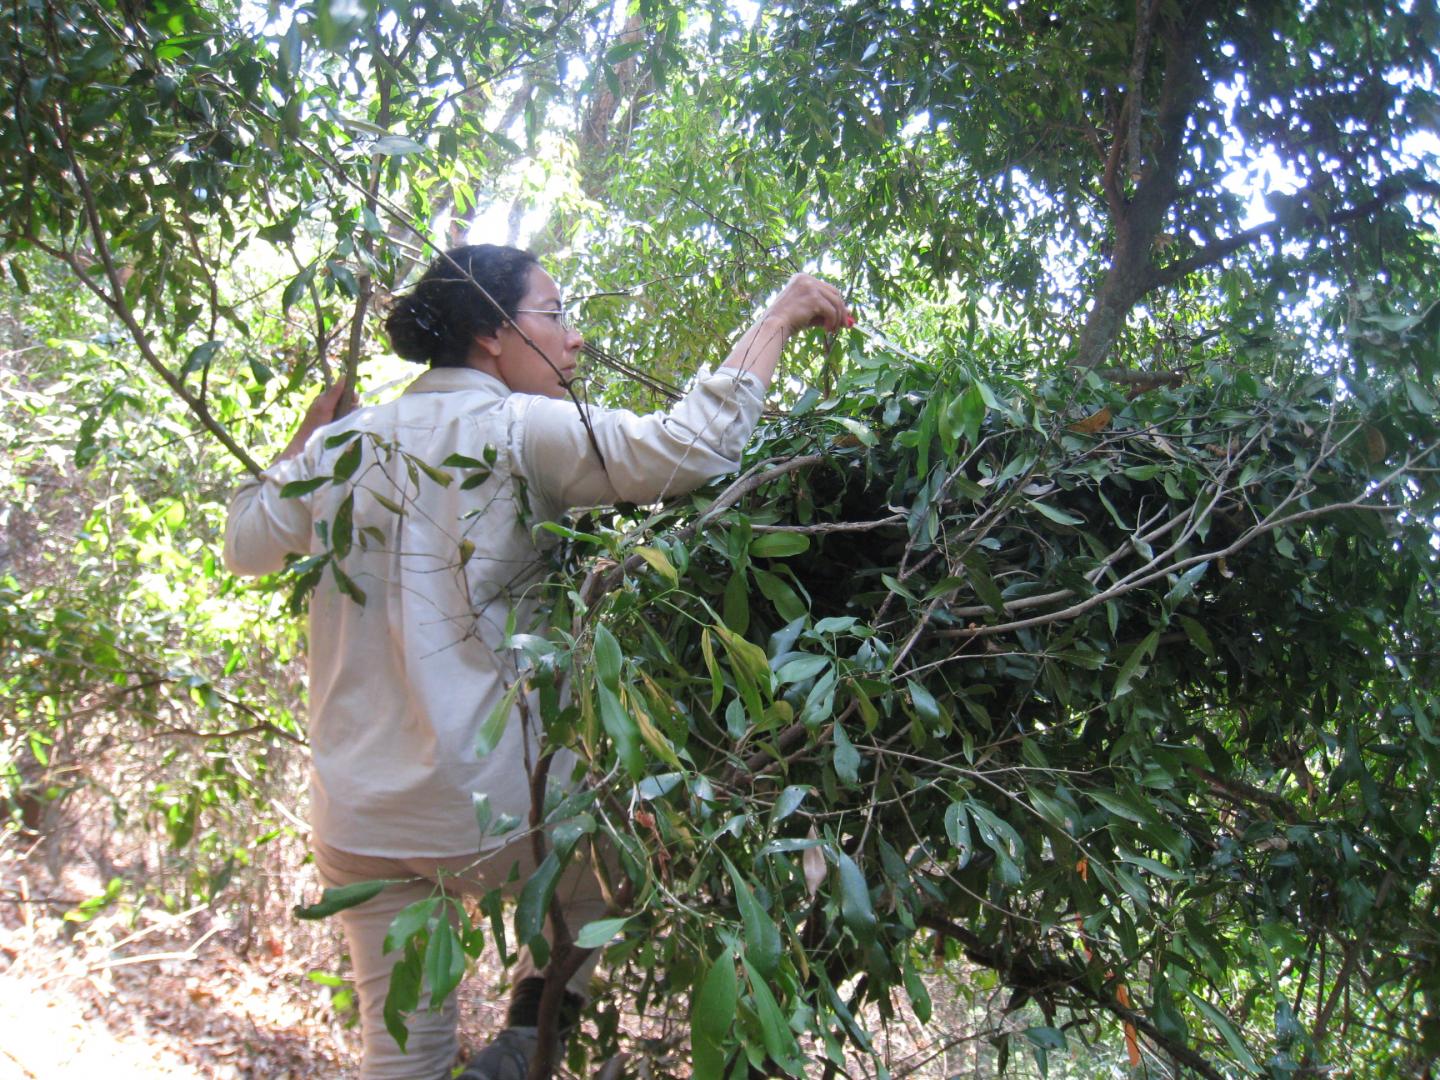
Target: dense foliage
point(1084, 639)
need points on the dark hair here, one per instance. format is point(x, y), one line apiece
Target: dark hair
point(439, 319)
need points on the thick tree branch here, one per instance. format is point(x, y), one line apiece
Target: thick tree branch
point(1137, 222)
point(115, 301)
point(1387, 193)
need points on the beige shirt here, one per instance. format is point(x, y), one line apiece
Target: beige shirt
point(401, 685)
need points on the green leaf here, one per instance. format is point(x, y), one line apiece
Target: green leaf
point(844, 758)
point(342, 529)
point(346, 584)
point(855, 908)
point(494, 727)
point(439, 476)
point(607, 657)
point(924, 702)
point(403, 994)
point(659, 563)
point(625, 50)
point(1048, 1037)
point(597, 934)
point(200, 357)
point(1186, 584)
point(444, 962)
point(712, 1016)
point(295, 488)
point(620, 725)
point(957, 829)
point(1119, 806)
point(348, 462)
point(786, 600)
point(1055, 514)
point(788, 802)
point(736, 605)
point(1198, 635)
point(397, 146)
point(1132, 665)
point(779, 545)
point(977, 572)
point(968, 413)
point(860, 431)
point(778, 1038)
point(915, 988)
point(894, 586)
point(1222, 1024)
point(297, 287)
point(800, 669)
point(762, 937)
point(342, 897)
point(535, 897)
point(410, 921)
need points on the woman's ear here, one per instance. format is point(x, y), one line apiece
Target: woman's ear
point(487, 346)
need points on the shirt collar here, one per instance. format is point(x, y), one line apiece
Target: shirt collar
point(446, 379)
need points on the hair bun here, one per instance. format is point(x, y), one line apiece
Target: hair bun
point(415, 329)
point(467, 293)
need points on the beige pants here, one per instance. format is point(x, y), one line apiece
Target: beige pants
point(433, 1041)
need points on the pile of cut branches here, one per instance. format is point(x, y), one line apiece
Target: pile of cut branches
point(1124, 697)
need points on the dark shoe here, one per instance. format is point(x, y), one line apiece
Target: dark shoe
point(506, 1057)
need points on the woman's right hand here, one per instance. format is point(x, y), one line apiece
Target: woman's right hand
point(809, 302)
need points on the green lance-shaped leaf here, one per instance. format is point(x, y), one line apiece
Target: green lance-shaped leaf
point(968, 413)
point(403, 993)
point(779, 545)
point(1132, 665)
point(1227, 1031)
point(607, 658)
point(397, 146)
point(594, 935)
point(444, 962)
point(802, 668)
point(736, 604)
point(915, 987)
point(924, 702)
point(788, 802)
point(494, 727)
point(341, 897)
point(1186, 583)
point(712, 1014)
point(410, 921)
point(844, 758)
point(855, 907)
point(348, 462)
point(762, 937)
point(659, 563)
point(618, 722)
point(779, 1039)
point(535, 899)
point(295, 488)
point(342, 529)
point(1055, 514)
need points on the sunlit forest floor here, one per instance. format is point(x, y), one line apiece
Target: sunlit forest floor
point(148, 993)
point(210, 993)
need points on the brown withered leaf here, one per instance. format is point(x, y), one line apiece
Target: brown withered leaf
point(1091, 424)
point(1375, 445)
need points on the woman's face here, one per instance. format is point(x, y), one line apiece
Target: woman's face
point(519, 366)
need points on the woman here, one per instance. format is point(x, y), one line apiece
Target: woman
point(407, 627)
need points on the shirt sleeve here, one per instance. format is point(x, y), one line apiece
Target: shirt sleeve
point(262, 528)
point(645, 458)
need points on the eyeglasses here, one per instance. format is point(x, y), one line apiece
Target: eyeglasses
point(561, 318)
